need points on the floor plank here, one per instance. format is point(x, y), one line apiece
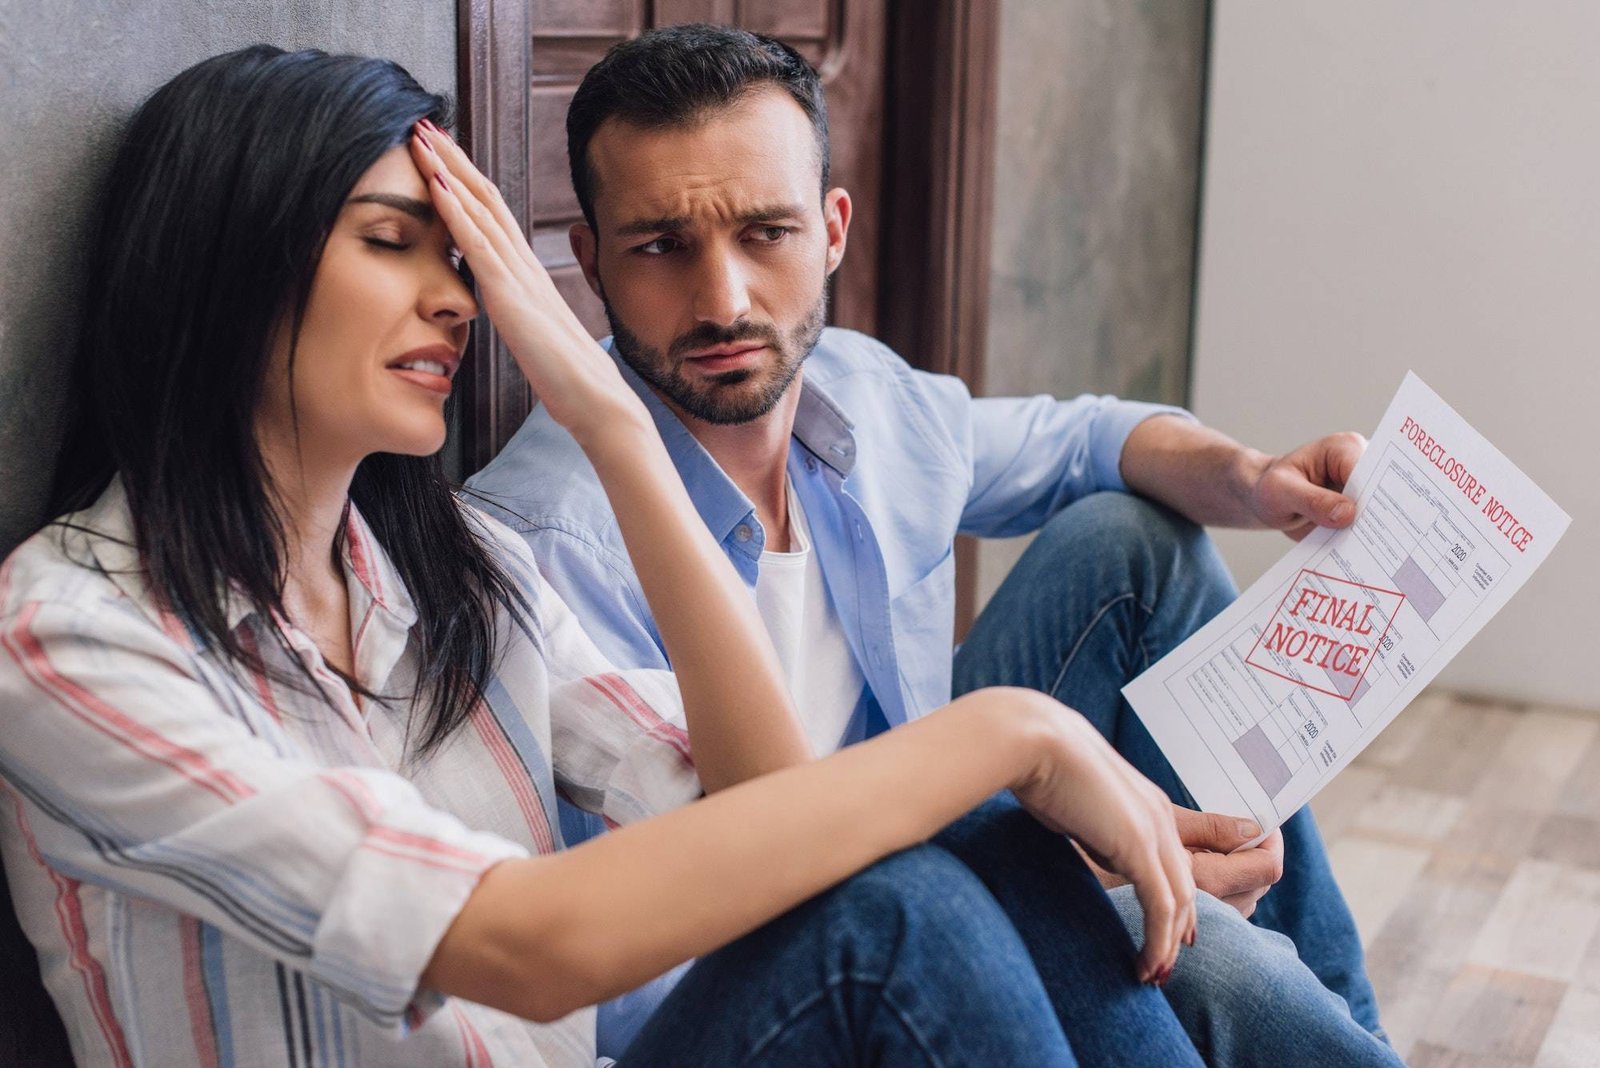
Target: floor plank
point(1467, 839)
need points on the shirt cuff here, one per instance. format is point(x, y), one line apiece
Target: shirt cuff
point(376, 943)
point(1111, 429)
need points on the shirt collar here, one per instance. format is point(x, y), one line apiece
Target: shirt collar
point(368, 570)
point(819, 424)
point(371, 581)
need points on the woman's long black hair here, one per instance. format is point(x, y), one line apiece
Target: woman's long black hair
point(215, 216)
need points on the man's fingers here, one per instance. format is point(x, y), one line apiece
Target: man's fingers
point(1298, 533)
point(1224, 875)
point(1324, 507)
point(1212, 830)
point(1342, 453)
point(1245, 904)
point(1272, 844)
point(1302, 489)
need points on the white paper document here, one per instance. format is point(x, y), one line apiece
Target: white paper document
point(1261, 707)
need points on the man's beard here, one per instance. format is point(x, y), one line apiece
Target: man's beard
point(731, 397)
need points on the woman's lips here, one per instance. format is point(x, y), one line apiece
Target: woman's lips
point(434, 383)
point(430, 368)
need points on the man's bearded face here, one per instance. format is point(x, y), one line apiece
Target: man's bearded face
point(761, 368)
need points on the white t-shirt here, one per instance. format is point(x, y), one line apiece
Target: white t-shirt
point(812, 649)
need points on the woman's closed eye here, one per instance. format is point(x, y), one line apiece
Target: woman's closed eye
point(391, 241)
point(388, 233)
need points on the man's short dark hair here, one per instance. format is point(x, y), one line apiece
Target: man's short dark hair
point(680, 75)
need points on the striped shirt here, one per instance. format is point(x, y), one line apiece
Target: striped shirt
point(218, 868)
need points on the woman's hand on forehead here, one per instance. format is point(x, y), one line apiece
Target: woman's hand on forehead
point(570, 374)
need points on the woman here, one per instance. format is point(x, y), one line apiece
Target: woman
point(284, 724)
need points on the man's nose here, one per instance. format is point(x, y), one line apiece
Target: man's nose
point(722, 293)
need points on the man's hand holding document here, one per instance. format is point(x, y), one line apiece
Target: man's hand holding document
point(1267, 702)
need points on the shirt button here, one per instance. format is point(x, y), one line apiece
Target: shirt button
point(811, 463)
point(743, 532)
point(860, 534)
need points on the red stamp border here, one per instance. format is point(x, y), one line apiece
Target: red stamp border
point(1330, 578)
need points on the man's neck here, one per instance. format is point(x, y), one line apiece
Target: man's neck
point(755, 455)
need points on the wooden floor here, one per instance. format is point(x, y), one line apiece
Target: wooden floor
point(1467, 838)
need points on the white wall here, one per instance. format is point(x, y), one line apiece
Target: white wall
point(1416, 184)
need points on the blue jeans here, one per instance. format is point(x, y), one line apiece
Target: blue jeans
point(1110, 585)
point(993, 945)
point(1246, 1000)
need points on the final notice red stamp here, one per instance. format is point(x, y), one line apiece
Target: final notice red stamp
point(1325, 633)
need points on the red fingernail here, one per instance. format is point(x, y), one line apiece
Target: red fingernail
point(438, 176)
point(1165, 974)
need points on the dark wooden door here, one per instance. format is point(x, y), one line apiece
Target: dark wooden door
point(845, 39)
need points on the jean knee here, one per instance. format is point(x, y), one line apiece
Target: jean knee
point(1154, 543)
point(923, 918)
point(914, 893)
point(1231, 960)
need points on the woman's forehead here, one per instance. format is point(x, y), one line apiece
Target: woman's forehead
point(393, 173)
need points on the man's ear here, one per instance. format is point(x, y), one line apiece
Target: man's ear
point(836, 214)
point(586, 251)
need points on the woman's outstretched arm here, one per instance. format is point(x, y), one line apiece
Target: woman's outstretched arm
point(543, 936)
point(737, 705)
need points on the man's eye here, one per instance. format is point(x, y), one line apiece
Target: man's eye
point(768, 235)
point(659, 246)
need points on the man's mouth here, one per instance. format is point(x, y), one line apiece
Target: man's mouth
point(727, 357)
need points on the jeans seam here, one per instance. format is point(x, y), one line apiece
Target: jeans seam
point(816, 999)
point(1083, 636)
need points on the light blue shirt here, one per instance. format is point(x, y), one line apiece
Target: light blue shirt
point(889, 464)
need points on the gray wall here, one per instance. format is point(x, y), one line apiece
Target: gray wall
point(1412, 185)
point(1098, 160)
point(71, 72)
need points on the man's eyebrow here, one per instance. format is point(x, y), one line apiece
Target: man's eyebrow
point(771, 213)
point(420, 210)
point(666, 223)
point(640, 227)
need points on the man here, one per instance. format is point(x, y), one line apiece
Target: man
point(836, 477)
